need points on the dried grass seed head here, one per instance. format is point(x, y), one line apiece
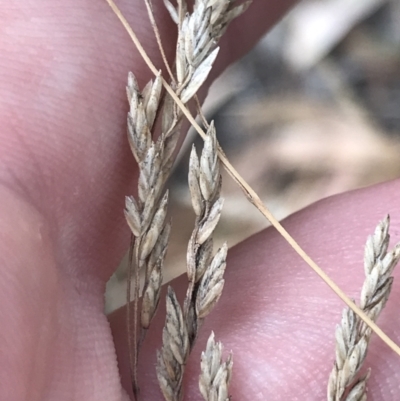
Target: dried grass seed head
point(215, 374)
point(352, 336)
point(211, 284)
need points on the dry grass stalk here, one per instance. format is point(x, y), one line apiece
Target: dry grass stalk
point(353, 335)
point(198, 34)
point(215, 374)
point(205, 272)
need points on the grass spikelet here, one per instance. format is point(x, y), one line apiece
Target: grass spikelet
point(353, 335)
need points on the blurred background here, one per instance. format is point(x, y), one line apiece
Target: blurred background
point(312, 111)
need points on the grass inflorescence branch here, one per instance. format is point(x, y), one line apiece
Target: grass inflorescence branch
point(353, 335)
point(196, 50)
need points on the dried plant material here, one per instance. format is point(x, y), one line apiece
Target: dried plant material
point(196, 51)
point(205, 276)
point(173, 364)
point(174, 352)
point(248, 191)
point(353, 335)
point(172, 11)
point(207, 227)
point(151, 294)
point(146, 216)
point(198, 33)
point(359, 390)
point(132, 215)
point(211, 284)
point(205, 282)
point(215, 374)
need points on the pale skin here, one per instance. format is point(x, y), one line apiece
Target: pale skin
point(65, 169)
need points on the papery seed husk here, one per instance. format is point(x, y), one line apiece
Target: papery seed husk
point(347, 324)
point(358, 391)
point(219, 8)
point(148, 209)
point(205, 42)
point(215, 374)
point(132, 215)
point(381, 295)
point(223, 392)
point(206, 177)
point(160, 248)
point(203, 387)
point(146, 94)
point(220, 376)
point(195, 192)
point(205, 305)
point(211, 285)
point(209, 225)
point(146, 165)
point(199, 76)
point(390, 261)
point(131, 139)
point(143, 188)
point(215, 271)
point(163, 379)
point(181, 59)
point(207, 47)
point(176, 328)
point(156, 172)
point(189, 45)
point(369, 256)
point(206, 184)
point(167, 114)
point(141, 128)
point(210, 142)
point(139, 140)
point(204, 258)
point(156, 226)
point(132, 81)
point(151, 295)
point(333, 379)
point(154, 100)
point(219, 259)
point(172, 368)
point(372, 291)
point(234, 13)
point(170, 144)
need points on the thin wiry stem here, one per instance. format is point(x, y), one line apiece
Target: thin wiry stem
point(254, 198)
point(134, 335)
point(131, 349)
point(200, 112)
point(158, 38)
